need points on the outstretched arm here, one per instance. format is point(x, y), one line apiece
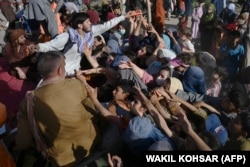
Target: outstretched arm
point(92, 93)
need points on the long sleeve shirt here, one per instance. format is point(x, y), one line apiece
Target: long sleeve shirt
point(72, 56)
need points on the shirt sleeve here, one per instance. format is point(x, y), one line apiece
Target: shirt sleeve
point(101, 28)
point(56, 44)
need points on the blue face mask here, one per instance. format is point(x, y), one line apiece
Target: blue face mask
point(122, 31)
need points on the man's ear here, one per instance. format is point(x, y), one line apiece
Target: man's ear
point(60, 71)
point(79, 26)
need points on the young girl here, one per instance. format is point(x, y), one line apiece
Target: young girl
point(196, 16)
point(214, 87)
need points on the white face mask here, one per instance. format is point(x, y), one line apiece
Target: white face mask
point(159, 82)
point(122, 31)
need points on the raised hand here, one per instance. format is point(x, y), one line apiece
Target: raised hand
point(114, 161)
point(87, 51)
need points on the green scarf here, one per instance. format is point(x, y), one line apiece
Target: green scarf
point(208, 16)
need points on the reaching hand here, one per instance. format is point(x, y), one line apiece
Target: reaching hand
point(33, 48)
point(125, 65)
point(170, 33)
point(154, 99)
point(20, 73)
point(114, 161)
point(183, 121)
point(87, 51)
point(80, 76)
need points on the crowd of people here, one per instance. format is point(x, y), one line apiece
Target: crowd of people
point(80, 84)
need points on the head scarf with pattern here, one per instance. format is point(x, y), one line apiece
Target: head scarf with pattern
point(206, 17)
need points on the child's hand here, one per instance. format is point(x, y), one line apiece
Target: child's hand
point(87, 51)
point(20, 73)
point(170, 33)
point(154, 99)
point(125, 65)
point(183, 121)
point(80, 76)
point(114, 161)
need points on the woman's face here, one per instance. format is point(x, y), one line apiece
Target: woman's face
point(97, 42)
point(109, 60)
point(209, 10)
point(141, 52)
point(136, 107)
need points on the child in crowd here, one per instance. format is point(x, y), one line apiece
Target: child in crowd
point(232, 53)
point(239, 132)
point(196, 16)
point(183, 21)
point(182, 44)
point(119, 106)
point(214, 87)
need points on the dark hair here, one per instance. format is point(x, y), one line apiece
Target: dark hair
point(185, 58)
point(238, 96)
point(167, 68)
point(211, 140)
point(221, 71)
point(131, 55)
point(66, 18)
point(245, 120)
point(149, 50)
point(116, 6)
point(126, 85)
point(48, 61)
point(187, 32)
point(79, 18)
point(235, 34)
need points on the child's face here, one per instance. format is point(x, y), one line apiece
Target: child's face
point(234, 126)
point(215, 76)
point(109, 60)
point(136, 107)
point(118, 94)
point(96, 42)
point(141, 52)
point(183, 37)
point(117, 11)
point(227, 105)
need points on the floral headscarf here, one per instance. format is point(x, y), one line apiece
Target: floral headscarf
point(206, 17)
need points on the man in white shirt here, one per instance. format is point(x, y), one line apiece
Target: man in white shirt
point(81, 35)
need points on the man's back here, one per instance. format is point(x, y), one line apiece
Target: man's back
point(65, 118)
point(63, 114)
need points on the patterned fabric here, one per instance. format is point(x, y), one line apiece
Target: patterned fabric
point(41, 146)
point(76, 38)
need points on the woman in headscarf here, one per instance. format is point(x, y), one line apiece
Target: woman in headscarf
point(206, 27)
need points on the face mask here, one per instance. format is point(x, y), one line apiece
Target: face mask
point(159, 82)
point(122, 31)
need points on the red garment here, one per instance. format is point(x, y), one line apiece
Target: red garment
point(12, 91)
point(159, 16)
point(111, 16)
point(93, 16)
point(16, 58)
